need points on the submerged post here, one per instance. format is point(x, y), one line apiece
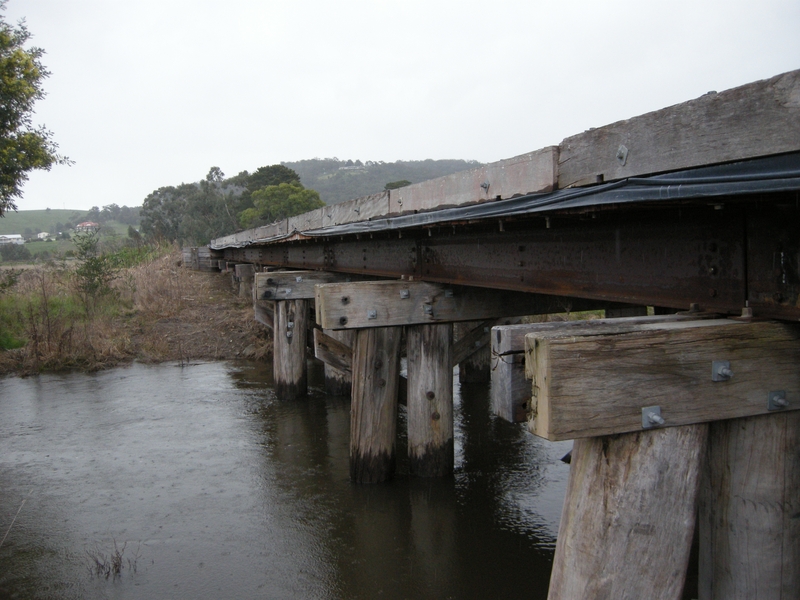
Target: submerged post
point(430, 399)
point(289, 356)
point(373, 411)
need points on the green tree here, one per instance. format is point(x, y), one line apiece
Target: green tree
point(272, 175)
point(14, 252)
point(23, 147)
point(95, 270)
point(163, 211)
point(393, 185)
point(276, 202)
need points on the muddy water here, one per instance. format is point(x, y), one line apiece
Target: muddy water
point(212, 488)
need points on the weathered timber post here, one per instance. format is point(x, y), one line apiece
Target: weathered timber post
point(750, 509)
point(373, 410)
point(475, 368)
point(338, 381)
point(629, 515)
point(289, 355)
point(245, 274)
point(430, 399)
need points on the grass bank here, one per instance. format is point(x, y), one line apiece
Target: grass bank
point(152, 310)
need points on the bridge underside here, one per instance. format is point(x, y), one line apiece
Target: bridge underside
point(723, 255)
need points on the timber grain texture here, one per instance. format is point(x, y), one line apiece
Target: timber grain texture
point(526, 174)
point(359, 305)
point(289, 361)
point(373, 408)
point(757, 119)
point(430, 399)
point(750, 509)
point(295, 285)
point(629, 515)
point(337, 353)
point(587, 384)
point(510, 390)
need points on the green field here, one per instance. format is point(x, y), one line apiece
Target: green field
point(47, 220)
point(38, 220)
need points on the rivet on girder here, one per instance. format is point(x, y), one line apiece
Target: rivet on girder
point(405, 294)
point(427, 309)
point(372, 314)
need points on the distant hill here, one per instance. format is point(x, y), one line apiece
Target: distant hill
point(39, 220)
point(338, 180)
point(28, 223)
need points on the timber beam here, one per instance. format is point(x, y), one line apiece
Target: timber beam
point(511, 390)
point(398, 303)
point(594, 381)
point(295, 285)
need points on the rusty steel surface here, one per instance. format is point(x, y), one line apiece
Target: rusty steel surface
point(719, 256)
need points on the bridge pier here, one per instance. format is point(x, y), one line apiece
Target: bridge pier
point(750, 509)
point(658, 425)
point(430, 399)
point(289, 355)
point(428, 312)
point(244, 275)
point(373, 411)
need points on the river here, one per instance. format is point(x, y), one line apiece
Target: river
point(208, 486)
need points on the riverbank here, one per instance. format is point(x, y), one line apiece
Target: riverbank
point(158, 312)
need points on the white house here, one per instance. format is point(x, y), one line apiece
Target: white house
point(43, 235)
point(11, 238)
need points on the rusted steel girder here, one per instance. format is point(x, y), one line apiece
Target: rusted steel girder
point(721, 256)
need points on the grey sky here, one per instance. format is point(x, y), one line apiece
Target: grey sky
point(149, 93)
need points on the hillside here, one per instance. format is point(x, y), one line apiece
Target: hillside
point(339, 180)
point(39, 220)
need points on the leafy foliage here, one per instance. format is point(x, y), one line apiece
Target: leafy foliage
point(14, 252)
point(277, 202)
point(195, 213)
point(95, 270)
point(394, 185)
point(272, 175)
point(23, 147)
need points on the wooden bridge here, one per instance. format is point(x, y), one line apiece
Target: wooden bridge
point(684, 222)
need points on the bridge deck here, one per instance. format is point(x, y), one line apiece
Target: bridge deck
point(663, 228)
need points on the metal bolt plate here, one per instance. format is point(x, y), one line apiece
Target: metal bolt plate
point(427, 309)
point(777, 400)
point(622, 154)
point(448, 293)
point(372, 314)
point(651, 417)
point(721, 370)
point(405, 294)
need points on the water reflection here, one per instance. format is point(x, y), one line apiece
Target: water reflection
point(227, 492)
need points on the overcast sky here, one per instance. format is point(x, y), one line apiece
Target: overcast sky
point(149, 93)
